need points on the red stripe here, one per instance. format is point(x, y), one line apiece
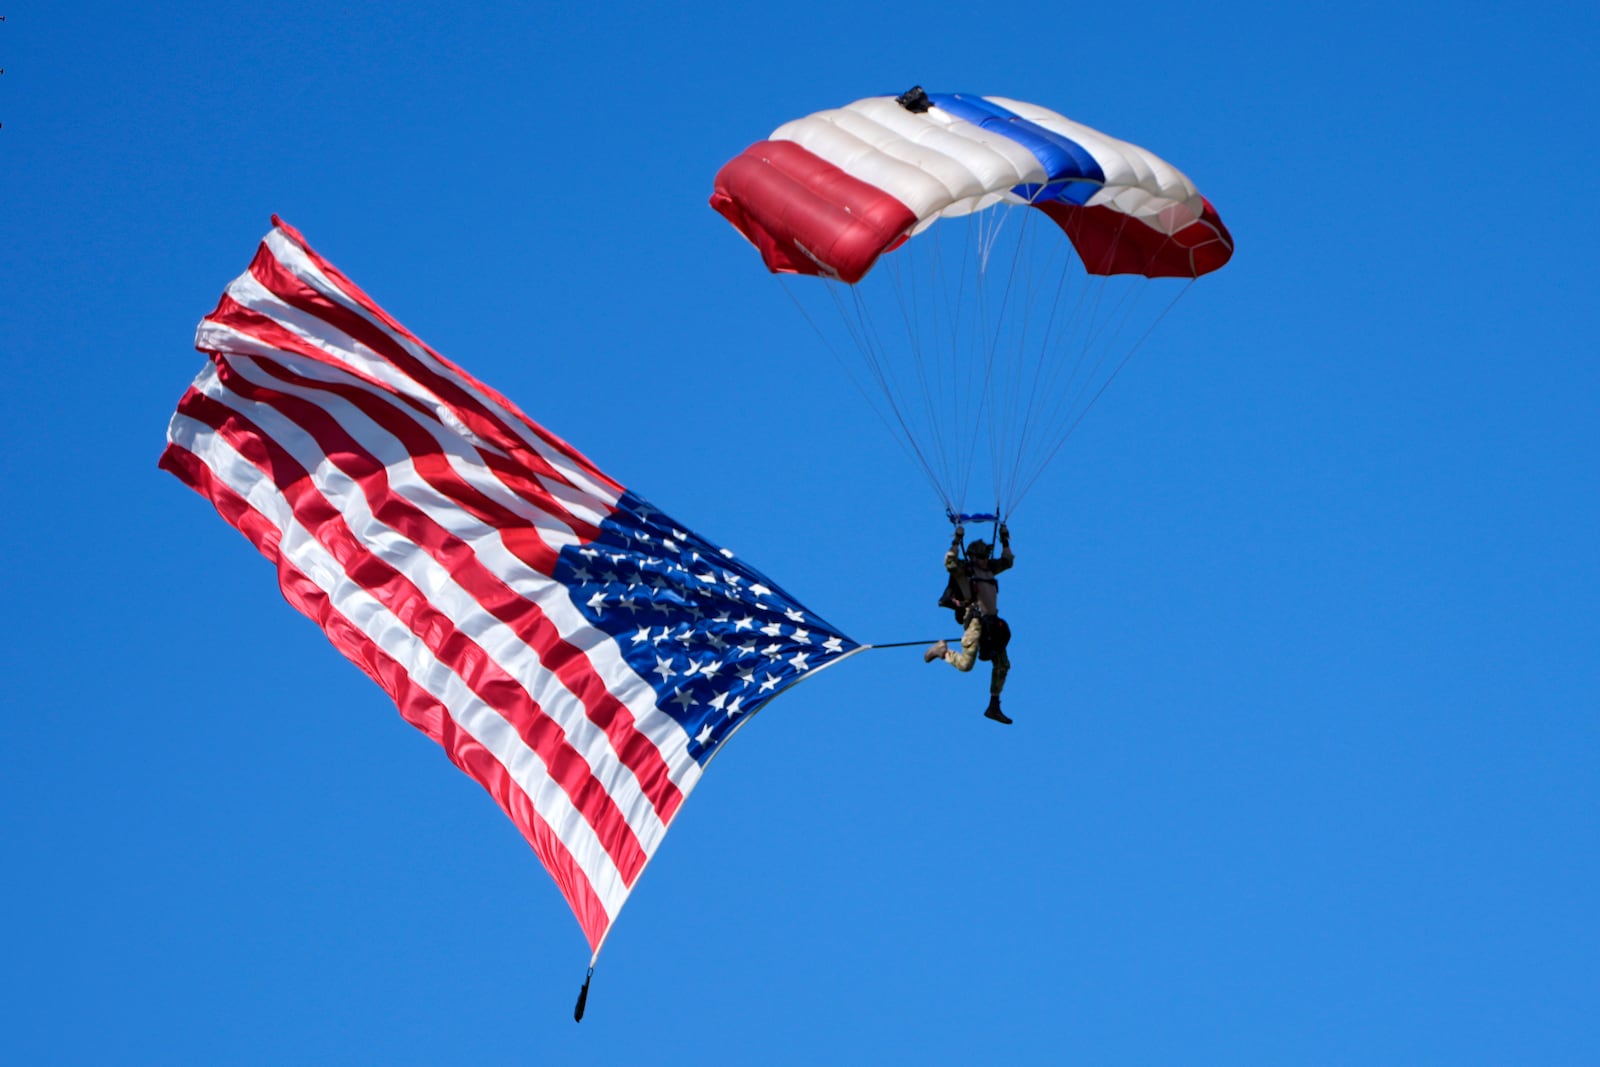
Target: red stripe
point(416, 705)
point(789, 203)
point(482, 419)
point(481, 673)
point(271, 332)
point(558, 655)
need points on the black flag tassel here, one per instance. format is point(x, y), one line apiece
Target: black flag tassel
point(583, 997)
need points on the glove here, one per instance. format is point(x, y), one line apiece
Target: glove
point(1005, 535)
point(961, 531)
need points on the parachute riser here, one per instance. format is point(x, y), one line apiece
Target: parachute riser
point(962, 518)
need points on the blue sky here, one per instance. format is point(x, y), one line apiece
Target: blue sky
point(1305, 674)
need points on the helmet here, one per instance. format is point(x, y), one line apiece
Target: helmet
point(978, 548)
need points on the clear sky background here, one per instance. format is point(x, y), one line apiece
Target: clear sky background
point(1307, 613)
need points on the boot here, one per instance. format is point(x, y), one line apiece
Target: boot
point(993, 710)
point(935, 651)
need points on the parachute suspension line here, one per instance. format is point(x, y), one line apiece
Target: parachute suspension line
point(965, 333)
point(1040, 388)
point(1107, 384)
point(988, 414)
point(909, 298)
point(1000, 396)
point(1023, 397)
point(865, 335)
point(967, 406)
point(1086, 367)
point(855, 380)
point(1010, 401)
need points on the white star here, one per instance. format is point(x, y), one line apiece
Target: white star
point(597, 601)
point(708, 578)
point(687, 637)
point(731, 578)
point(734, 709)
point(746, 675)
point(772, 651)
point(664, 668)
point(725, 552)
point(642, 636)
point(692, 670)
point(771, 682)
point(747, 648)
point(683, 699)
point(745, 623)
point(660, 637)
point(582, 575)
point(759, 590)
point(704, 735)
point(798, 661)
point(795, 616)
point(772, 629)
point(589, 552)
point(709, 668)
point(718, 700)
point(833, 644)
point(802, 637)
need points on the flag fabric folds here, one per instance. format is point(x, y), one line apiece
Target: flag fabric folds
point(577, 652)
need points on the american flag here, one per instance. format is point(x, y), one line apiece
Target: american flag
point(575, 650)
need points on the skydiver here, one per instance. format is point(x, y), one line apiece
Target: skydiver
point(974, 594)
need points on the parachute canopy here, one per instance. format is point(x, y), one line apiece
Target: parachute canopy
point(831, 192)
point(999, 265)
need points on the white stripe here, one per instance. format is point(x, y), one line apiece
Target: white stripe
point(382, 628)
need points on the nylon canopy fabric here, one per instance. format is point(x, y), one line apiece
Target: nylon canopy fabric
point(830, 193)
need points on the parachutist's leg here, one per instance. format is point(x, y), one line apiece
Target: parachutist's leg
point(963, 660)
point(993, 710)
point(1000, 666)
